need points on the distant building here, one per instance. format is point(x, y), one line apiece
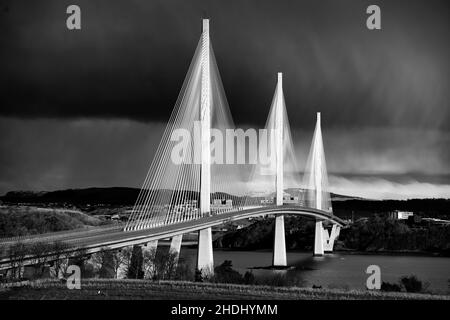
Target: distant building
point(268, 200)
point(400, 215)
point(221, 204)
point(288, 199)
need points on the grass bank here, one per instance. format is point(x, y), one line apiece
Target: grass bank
point(180, 290)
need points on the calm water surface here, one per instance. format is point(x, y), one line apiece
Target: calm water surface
point(340, 270)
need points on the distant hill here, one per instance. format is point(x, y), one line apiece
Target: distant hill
point(426, 207)
point(333, 196)
point(113, 196)
point(343, 206)
point(25, 220)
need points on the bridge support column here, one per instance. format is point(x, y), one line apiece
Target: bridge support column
point(205, 260)
point(175, 248)
point(151, 245)
point(205, 252)
point(318, 239)
point(329, 238)
point(279, 244)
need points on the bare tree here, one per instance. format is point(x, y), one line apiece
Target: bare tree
point(60, 256)
point(149, 263)
point(97, 259)
point(78, 257)
point(106, 263)
point(124, 256)
point(17, 254)
point(161, 266)
point(118, 261)
point(135, 269)
point(41, 251)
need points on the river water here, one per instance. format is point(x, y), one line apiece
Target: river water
point(339, 270)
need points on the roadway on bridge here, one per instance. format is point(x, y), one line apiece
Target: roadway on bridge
point(94, 240)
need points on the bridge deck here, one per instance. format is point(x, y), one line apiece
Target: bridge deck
point(94, 240)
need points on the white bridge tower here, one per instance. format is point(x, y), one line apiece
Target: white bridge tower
point(205, 262)
point(279, 248)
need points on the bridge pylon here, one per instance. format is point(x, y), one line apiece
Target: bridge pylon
point(205, 260)
point(279, 248)
point(316, 194)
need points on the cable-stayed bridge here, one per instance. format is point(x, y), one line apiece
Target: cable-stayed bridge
point(206, 172)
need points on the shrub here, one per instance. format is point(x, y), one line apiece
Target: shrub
point(226, 274)
point(198, 277)
point(135, 270)
point(249, 278)
point(386, 286)
point(412, 284)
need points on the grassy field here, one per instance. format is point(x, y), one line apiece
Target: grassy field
point(27, 220)
point(178, 290)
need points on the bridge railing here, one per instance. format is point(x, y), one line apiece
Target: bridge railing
point(167, 222)
point(50, 235)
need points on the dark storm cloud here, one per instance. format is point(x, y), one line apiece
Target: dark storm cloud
point(53, 154)
point(130, 58)
point(70, 99)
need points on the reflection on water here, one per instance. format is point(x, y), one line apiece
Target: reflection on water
point(338, 270)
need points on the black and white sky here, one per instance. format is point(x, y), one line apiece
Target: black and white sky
point(87, 108)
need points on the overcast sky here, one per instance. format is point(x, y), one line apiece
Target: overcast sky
point(87, 108)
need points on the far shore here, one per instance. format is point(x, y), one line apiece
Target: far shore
point(354, 252)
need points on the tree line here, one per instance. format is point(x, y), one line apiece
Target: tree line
point(376, 233)
point(51, 259)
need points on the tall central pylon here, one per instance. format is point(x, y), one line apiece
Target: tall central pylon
point(205, 261)
point(184, 183)
point(279, 251)
point(205, 118)
point(279, 121)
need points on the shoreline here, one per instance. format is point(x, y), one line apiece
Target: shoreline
point(348, 252)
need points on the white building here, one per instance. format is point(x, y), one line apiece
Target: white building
point(400, 215)
point(221, 204)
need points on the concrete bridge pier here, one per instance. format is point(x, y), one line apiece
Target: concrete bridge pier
point(151, 245)
point(175, 248)
point(205, 259)
point(330, 237)
point(279, 245)
point(318, 239)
